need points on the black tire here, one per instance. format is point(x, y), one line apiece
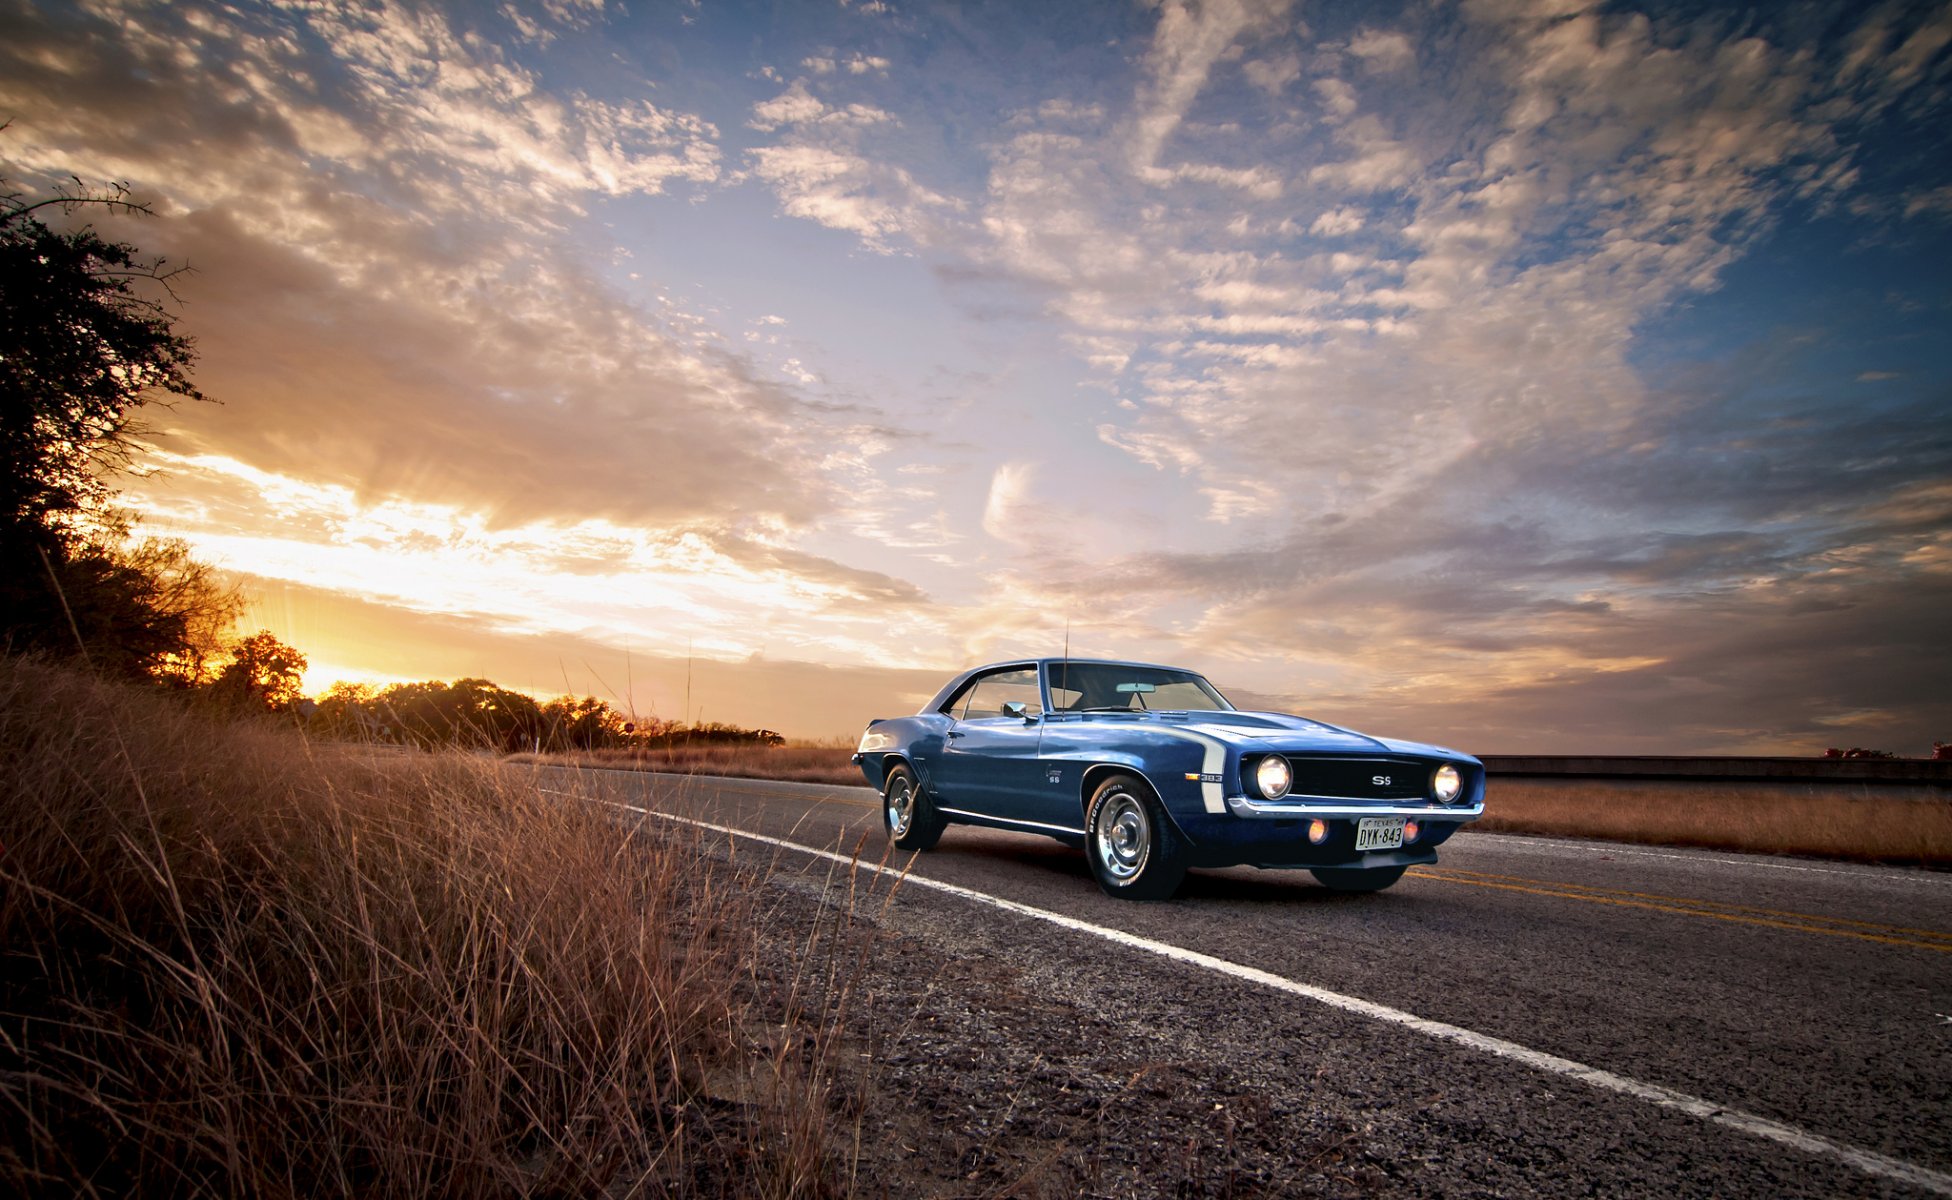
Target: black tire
point(1133, 847)
point(1357, 879)
point(908, 816)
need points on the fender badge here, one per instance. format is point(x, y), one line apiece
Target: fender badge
point(1196, 777)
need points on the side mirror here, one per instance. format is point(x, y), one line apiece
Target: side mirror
point(1015, 708)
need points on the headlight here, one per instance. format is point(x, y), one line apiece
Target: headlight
point(1449, 783)
point(1273, 777)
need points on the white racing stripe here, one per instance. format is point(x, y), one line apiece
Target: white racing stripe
point(1210, 764)
point(1867, 1161)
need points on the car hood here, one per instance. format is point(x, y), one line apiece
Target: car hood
point(1281, 731)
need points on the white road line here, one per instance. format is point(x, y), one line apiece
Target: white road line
point(1867, 1161)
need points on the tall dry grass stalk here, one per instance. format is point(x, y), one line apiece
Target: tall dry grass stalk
point(239, 964)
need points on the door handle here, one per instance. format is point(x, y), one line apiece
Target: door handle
point(954, 733)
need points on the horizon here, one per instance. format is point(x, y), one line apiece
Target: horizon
point(1521, 377)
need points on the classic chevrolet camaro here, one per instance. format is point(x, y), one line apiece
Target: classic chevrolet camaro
point(1150, 770)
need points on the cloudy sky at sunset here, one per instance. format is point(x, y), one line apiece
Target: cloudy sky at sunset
point(1522, 375)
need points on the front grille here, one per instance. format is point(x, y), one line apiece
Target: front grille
point(1356, 778)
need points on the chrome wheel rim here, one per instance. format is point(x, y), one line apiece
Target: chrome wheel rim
point(901, 806)
point(1122, 836)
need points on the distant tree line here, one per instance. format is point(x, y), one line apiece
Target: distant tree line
point(476, 714)
point(1941, 751)
point(264, 675)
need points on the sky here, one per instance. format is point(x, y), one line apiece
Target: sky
point(1526, 376)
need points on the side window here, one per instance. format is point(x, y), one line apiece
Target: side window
point(960, 701)
point(987, 695)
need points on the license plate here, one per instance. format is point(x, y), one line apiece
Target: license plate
point(1379, 833)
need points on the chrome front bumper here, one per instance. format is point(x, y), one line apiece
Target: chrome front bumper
point(1332, 807)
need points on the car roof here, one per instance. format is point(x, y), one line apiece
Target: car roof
point(1047, 663)
point(1055, 661)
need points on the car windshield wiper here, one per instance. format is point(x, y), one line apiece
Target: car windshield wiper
point(1110, 708)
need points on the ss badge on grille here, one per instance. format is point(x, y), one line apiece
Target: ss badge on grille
point(1379, 780)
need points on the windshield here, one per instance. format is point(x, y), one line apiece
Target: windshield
point(1082, 686)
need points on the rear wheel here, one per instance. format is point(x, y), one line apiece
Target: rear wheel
point(907, 813)
point(1357, 879)
point(1134, 850)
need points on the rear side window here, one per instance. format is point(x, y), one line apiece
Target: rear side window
point(986, 695)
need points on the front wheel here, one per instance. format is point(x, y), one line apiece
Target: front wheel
point(907, 813)
point(1357, 879)
point(1134, 850)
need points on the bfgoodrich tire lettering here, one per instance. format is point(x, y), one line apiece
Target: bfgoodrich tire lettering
point(1358, 879)
point(1135, 852)
point(907, 814)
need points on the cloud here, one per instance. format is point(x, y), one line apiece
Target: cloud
point(1337, 97)
point(364, 316)
point(793, 106)
point(731, 586)
point(1258, 181)
point(1382, 51)
point(1935, 202)
point(824, 169)
point(880, 203)
point(1188, 41)
point(1379, 162)
point(1008, 506)
point(1050, 217)
point(1273, 75)
point(797, 106)
point(1337, 221)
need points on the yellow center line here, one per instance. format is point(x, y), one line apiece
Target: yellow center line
point(1736, 918)
point(1459, 875)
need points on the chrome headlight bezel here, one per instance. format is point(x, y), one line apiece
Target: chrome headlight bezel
point(1273, 777)
point(1447, 783)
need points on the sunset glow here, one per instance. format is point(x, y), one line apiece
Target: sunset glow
point(1522, 375)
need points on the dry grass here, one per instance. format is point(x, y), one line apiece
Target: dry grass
point(238, 965)
point(1865, 824)
point(796, 763)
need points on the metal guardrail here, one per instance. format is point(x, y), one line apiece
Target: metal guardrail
point(1913, 772)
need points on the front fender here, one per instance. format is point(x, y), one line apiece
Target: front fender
point(1176, 771)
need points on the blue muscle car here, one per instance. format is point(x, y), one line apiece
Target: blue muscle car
point(1150, 770)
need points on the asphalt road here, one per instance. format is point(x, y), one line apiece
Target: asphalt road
point(1814, 997)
